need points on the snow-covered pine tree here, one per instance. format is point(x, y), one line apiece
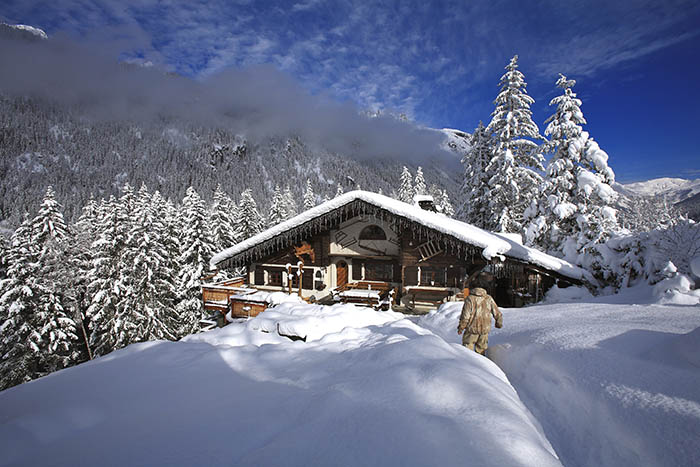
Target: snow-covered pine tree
point(56, 303)
point(222, 221)
point(20, 332)
point(278, 208)
point(309, 197)
point(474, 208)
point(4, 248)
point(109, 327)
point(445, 204)
point(419, 186)
point(150, 278)
point(574, 212)
point(250, 221)
point(48, 225)
point(290, 204)
point(196, 249)
point(513, 180)
point(406, 190)
point(80, 258)
point(127, 200)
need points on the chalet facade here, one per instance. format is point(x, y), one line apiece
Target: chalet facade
point(362, 244)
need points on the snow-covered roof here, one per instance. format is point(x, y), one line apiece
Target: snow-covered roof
point(491, 244)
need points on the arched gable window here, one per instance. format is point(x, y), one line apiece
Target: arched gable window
point(372, 232)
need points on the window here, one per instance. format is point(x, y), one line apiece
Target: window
point(372, 232)
point(434, 277)
point(274, 277)
point(318, 281)
point(259, 276)
point(357, 265)
point(307, 279)
point(379, 271)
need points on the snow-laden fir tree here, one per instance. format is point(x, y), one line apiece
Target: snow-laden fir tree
point(4, 248)
point(406, 190)
point(290, 204)
point(419, 186)
point(128, 200)
point(512, 172)
point(309, 197)
point(150, 278)
point(474, 208)
point(278, 208)
point(445, 204)
point(48, 225)
point(196, 249)
point(20, 332)
point(250, 221)
point(56, 303)
point(80, 259)
point(223, 220)
point(109, 327)
point(574, 211)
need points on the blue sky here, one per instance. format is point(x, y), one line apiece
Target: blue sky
point(635, 61)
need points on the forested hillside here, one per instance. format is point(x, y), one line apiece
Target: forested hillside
point(44, 144)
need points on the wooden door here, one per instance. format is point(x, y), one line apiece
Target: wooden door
point(342, 271)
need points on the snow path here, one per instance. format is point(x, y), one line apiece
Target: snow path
point(367, 388)
point(611, 384)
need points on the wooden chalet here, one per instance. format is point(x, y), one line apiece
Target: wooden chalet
point(367, 248)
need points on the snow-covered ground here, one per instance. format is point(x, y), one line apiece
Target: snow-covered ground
point(614, 381)
point(608, 384)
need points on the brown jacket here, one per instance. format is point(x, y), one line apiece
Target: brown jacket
point(481, 303)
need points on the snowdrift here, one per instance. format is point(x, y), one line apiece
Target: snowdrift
point(366, 388)
point(613, 384)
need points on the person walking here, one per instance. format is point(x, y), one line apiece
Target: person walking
point(475, 320)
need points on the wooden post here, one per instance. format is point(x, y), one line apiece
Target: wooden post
point(289, 278)
point(300, 269)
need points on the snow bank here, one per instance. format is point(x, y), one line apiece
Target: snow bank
point(612, 384)
point(366, 388)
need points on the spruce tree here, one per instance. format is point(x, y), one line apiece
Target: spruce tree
point(56, 303)
point(20, 331)
point(110, 328)
point(445, 204)
point(419, 186)
point(513, 180)
point(290, 204)
point(575, 210)
point(222, 220)
point(196, 249)
point(4, 251)
point(309, 197)
point(48, 225)
point(278, 208)
point(250, 221)
point(406, 191)
point(475, 185)
point(150, 276)
point(80, 257)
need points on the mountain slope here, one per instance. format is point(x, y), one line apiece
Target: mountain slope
point(49, 144)
point(674, 189)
